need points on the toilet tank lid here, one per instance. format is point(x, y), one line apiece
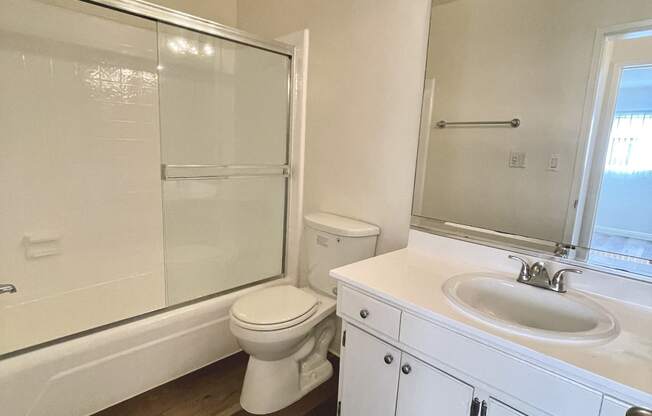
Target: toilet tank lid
point(341, 226)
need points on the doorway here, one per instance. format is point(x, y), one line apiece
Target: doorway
point(617, 223)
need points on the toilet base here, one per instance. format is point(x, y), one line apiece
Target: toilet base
point(270, 386)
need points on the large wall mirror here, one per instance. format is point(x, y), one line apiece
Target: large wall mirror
point(536, 127)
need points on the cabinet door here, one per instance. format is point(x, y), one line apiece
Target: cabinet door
point(424, 390)
point(370, 371)
point(497, 408)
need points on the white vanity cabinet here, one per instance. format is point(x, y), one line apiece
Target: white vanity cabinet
point(394, 362)
point(384, 381)
point(381, 380)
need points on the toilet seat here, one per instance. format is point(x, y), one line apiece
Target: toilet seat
point(274, 308)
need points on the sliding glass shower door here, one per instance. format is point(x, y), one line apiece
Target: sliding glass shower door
point(143, 165)
point(224, 138)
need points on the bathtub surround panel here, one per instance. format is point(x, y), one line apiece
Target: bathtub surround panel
point(81, 223)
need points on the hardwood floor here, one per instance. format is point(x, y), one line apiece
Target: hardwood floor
point(215, 391)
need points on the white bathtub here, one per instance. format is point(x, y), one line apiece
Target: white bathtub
point(89, 373)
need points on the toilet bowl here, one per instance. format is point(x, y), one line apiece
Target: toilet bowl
point(287, 330)
point(287, 358)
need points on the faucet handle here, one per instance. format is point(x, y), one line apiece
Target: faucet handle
point(558, 279)
point(524, 274)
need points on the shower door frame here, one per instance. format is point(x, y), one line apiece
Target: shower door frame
point(174, 17)
point(166, 15)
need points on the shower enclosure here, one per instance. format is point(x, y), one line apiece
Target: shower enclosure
point(144, 159)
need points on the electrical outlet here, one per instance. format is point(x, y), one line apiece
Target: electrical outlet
point(517, 159)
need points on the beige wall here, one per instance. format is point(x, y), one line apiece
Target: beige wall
point(365, 80)
point(221, 11)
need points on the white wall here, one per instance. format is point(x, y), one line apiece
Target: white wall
point(495, 60)
point(365, 82)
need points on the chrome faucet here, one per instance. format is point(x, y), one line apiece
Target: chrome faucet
point(537, 275)
point(7, 288)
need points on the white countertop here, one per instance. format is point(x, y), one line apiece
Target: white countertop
point(412, 279)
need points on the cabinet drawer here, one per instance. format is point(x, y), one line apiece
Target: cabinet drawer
point(524, 382)
point(496, 408)
point(613, 407)
point(369, 312)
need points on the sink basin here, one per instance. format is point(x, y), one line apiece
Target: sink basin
point(526, 310)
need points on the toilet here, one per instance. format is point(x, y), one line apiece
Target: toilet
point(287, 330)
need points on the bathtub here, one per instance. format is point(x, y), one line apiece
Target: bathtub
point(88, 373)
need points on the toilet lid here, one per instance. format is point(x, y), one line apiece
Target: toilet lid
point(275, 305)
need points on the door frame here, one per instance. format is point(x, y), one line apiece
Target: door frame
point(425, 131)
point(582, 202)
point(603, 136)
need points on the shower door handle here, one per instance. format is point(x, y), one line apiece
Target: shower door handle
point(7, 288)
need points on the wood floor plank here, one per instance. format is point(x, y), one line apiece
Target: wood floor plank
point(215, 391)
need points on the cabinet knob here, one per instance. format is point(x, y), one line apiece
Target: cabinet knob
point(389, 359)
point(406, 369)
point(638, 411)
point(364, 313)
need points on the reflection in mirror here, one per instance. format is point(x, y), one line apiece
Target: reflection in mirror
point(536, 127)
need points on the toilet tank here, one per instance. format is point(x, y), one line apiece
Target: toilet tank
point(333, 241)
